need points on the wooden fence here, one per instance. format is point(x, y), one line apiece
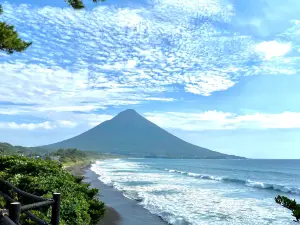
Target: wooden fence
point(11, 214)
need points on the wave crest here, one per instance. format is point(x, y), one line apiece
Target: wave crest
point(249, 183)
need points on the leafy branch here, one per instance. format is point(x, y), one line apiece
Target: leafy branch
point(10, 41)
point(289, 204)
point(9, 38)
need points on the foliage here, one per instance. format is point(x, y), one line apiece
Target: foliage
point(79, 204)
point(2, 202)
point(9, 38)
point(70, 154)
point(73, 156)
point(289, 204)
point(8, 149)
point(78, 4)
point(10, 41)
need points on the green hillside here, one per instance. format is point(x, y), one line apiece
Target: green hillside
point(8, 149)
point(73, 156)
point(131, 134)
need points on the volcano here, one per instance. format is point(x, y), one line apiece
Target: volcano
point(131, 134)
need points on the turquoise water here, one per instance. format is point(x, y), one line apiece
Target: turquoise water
point(206, 191)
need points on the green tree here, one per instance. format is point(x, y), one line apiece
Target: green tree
point(78, 4)
point(10, 41)
point(289, 204)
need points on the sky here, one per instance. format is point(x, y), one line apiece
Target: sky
point(222, 74)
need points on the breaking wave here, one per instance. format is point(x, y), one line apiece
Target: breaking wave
point(249, 183)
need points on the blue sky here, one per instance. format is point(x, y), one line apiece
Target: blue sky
point(222, 74)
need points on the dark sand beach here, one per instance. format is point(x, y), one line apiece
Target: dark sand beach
point(120, 210)
point(111, 217)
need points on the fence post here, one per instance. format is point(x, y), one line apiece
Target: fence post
point(15, 211)
point(55, 209)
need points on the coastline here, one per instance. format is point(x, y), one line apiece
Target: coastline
point(120, 210)
point(111, 217)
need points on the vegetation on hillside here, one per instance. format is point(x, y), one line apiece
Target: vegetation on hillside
point(69, 155)
point(132, 135)
point(289, 204)
point(79, 204)
point(8, 149)
point(10, 41)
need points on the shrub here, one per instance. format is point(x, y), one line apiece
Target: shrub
point(79, 204)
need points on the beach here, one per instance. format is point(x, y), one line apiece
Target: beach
point(119, 210)
point(111, 217)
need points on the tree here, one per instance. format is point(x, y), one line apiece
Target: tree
point(10, 41)
point(9, 38)
point(289, 204)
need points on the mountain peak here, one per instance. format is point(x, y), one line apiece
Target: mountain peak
point(128, 113)
point(129, 133)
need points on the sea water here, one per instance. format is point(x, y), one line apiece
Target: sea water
point(193, 191)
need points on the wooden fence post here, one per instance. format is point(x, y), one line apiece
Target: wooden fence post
point(15, 211)
point(55, 209)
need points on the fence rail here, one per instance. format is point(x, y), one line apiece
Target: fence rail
point(11, 215)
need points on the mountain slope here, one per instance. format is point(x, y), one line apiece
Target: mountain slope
point(8, 149)
point(130, 133)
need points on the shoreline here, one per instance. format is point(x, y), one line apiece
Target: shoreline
point(120, 210)
point(111, 217)
point(130, 211)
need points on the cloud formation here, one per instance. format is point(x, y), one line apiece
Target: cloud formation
point(272, 49)
point(84, 62)
point(214, 120)
point(209, 120)
point(27, 126)
point(57, 121)
point(124, 55)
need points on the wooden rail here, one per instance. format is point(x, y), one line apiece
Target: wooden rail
point(11, 215)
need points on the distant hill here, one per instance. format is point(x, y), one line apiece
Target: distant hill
point(8, 149)
point(129, 133)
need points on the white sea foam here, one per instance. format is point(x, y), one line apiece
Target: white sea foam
point(182, 200)
point(249, 183)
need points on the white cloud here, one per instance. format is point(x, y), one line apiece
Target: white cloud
point(116, 56)
point(272, 49)
point(152, 48)
point(121, 56)
point(209, 120)
point(65, 123)
point(28, 126)
point(208, 83)
point(59, 90)
point(264, 121)
point(66, 120)
point(214, 120)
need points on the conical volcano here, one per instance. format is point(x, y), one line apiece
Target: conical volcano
point(129, 133)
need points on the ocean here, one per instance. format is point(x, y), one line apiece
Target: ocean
point(193, 191)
